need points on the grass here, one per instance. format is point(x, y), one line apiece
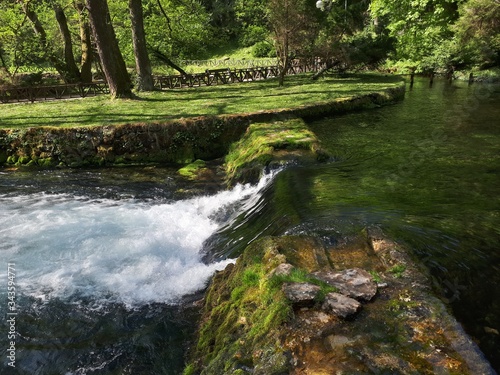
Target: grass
point(190, 102)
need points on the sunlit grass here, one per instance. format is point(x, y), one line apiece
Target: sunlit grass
point(190, 102)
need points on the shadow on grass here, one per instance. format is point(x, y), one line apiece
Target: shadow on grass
point(167, 105)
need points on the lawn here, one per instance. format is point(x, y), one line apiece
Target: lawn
point(190, 102)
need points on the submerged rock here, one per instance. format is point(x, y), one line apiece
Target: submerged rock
point(355, 283)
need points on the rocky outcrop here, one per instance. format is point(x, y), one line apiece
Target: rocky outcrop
point(355, 283)
point(286, 307)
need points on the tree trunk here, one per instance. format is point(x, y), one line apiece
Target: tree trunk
point(161, 56)
point(42, 37)
point(283, 57)
point(142, 63)
point(111, 58)
point(72, 71)
point(4, 65)
point(86, 47)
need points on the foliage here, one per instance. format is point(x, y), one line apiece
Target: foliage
point(477, 33)
point(253, 21)
point(441, 35)
point(263, 49)
point(420, 35)
point(419, 27)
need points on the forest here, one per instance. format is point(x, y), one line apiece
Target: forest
point(126, 42)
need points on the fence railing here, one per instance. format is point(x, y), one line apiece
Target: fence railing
point(33, 93)
point(209, 78)
point(226, 75)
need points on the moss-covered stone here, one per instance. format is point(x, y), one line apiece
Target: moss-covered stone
point(263, 143)
point(248, 325)
point(243, 313)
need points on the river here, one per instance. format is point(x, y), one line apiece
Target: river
point(103, 262)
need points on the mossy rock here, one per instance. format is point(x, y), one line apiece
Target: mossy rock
point(242, 316)
point(12, 159)
point(245, 308)
point(273, 142)
point(23, 160)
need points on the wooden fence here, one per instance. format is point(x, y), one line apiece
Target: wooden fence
point(209, 78)
point(33, 93)
point(224, 76)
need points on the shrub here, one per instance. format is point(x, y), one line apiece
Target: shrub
point(263, 49)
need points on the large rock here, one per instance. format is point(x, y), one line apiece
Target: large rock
point(340, 305)
point(355, 283)
point(301, 294)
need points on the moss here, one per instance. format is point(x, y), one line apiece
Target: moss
point(189, 370)
point(193, 169)
point(397, 270)
point(244, 310)
point(45, 162)
point(23, 160)
point(261, 144)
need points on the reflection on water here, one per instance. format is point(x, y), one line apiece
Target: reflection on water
point(428, 171)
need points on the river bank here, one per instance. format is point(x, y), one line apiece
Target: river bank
point(178, 141)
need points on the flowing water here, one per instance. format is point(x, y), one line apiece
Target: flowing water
point(106, 260)
point(101, 263)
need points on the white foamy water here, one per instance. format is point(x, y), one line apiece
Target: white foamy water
point(119, 251)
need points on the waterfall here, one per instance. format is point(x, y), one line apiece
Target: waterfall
point(121, 251)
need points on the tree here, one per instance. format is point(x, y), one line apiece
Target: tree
point(142, 63)
point(66, 67)
point(419, 27)
point(477, 33)
point(112, 62)
point(252, 17)
point(85, 42)
point(349, 39)
point(293, 29)
point(71, 69)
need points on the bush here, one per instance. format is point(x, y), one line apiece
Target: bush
point(253, 34)
point(263, 49)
